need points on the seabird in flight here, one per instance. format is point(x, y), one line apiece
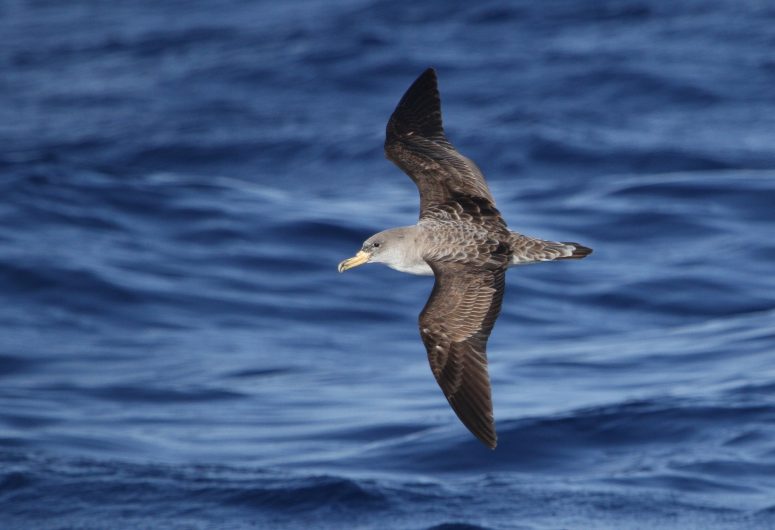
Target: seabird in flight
point(463, 241)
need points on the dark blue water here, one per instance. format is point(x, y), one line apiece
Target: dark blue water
point(178, 181)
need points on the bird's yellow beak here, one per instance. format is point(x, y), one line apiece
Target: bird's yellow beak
point(359, 259)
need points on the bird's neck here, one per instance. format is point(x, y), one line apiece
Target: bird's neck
point(406, 256)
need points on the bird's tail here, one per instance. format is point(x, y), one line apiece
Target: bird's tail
point(526, 249)
point(577, 252)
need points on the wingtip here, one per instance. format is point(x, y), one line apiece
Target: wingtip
point(490, 440)
point(419, 110)
point(426, 82)
point(487, 435)
point(431, 78)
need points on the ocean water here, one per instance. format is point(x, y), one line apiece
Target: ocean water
point(178, 181)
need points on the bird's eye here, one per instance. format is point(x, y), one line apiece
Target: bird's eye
point(375, 245)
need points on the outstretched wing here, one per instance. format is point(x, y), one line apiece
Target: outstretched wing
point(415, 141)
point(455, 326)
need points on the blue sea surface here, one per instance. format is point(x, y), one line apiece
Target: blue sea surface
point(178, 181)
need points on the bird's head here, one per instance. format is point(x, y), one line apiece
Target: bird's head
point(383, 247)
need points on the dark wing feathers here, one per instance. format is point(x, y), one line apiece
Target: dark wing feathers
point(455, 326)
point(470, 262)
point(419, 111)
point(416, 142)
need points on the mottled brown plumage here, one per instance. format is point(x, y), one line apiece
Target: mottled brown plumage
point(455, 326)
point(464, 242)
